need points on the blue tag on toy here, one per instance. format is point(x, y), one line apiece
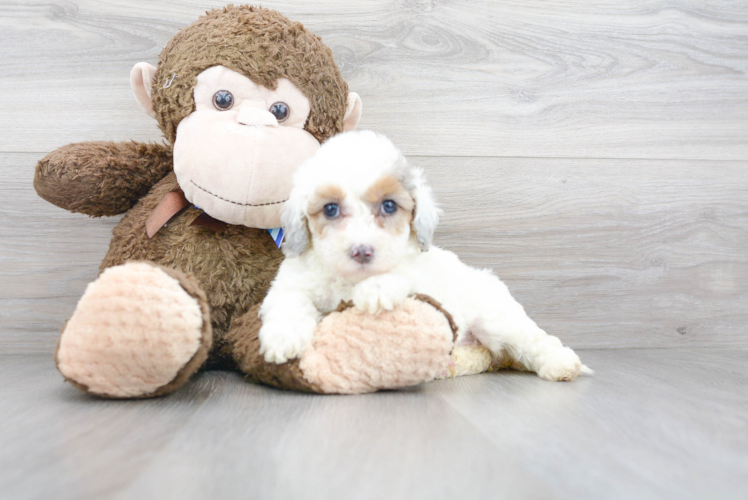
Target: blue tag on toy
point(277, 235)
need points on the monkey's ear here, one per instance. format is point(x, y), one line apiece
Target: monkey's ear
point(294, 222)
point(141, 79)
point(353, 111)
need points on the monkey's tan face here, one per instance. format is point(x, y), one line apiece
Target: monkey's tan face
point(235, 155)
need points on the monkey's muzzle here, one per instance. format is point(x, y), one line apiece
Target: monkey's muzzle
point(236, 173)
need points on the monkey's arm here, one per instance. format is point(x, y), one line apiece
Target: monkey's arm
point(101, 178)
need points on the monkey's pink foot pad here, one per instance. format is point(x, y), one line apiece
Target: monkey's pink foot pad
point(356, 352)
point(131, 333)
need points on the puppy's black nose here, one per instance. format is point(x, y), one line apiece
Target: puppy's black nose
point(362, 253)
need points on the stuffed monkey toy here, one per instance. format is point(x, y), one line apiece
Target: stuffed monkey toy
point(243, 96)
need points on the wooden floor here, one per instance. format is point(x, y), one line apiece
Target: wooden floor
point(655, 423)
point(593, 153)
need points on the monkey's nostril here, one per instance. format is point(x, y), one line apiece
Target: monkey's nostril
point(362, 253)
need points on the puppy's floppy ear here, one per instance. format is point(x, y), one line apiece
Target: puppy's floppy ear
point(426, 214)
point(295, 228)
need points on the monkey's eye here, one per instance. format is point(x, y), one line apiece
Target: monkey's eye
point(223, 100)
point(389, 207)
point(331, 210)
point(280, 111)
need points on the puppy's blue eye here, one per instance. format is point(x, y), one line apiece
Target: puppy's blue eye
point(331, 210)
point(389, 207)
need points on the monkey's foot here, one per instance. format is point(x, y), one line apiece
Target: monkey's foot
point(139, 330)
point(355, 352)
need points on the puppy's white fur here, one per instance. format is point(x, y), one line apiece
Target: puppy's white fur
point(357, 171)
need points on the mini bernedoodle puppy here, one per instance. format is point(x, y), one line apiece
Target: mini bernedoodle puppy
point(358, 226)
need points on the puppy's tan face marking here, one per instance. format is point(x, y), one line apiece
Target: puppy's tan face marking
point(324, 195)
point(397, 223)
point(329, 193)
point(389, 187)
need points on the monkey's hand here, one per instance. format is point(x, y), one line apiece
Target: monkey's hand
point(101, 178)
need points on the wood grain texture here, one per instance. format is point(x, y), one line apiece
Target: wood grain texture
point(649, 424)
point(602, 253)
point(639, 79)
point(47, 257)
point(607, 253)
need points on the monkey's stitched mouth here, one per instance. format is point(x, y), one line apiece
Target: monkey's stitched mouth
point(236, 202)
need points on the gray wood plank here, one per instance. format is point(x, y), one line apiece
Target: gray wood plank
point(649, 424)
point(57, 442)
point(389, 445)
point(602, 253)
point(607, 253)
point(637, 79)
point(47, 257)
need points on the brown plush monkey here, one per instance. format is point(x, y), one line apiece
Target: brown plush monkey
point(243, 96)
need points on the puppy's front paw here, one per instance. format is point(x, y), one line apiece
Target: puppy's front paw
point(282, 341)
point(378, 293)
point(561, 364)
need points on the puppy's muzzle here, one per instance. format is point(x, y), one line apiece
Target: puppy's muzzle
point(362, 253)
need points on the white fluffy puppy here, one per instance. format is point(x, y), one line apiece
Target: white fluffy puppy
point(358, 226)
